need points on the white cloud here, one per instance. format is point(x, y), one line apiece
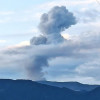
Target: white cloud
point(21, 44)
point(3, 41)
point(90, 69)
point(66, 36)
point(5, 16)
point(5, 13)
point(24, 43)
point(68, 4)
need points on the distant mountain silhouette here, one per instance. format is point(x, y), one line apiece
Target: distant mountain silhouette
point(76, 86)
point(29, 90)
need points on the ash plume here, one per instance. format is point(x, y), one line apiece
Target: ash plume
point(51, 25)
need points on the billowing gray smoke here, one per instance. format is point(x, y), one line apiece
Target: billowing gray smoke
point(35, 67)
point(38, 40)
point(52, 24)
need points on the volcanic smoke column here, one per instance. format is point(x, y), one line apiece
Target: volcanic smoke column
point(51, 25)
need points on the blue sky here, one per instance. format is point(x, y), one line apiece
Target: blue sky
point(19, 21)
point(14, 19)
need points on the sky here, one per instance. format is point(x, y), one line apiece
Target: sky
point(76, 59)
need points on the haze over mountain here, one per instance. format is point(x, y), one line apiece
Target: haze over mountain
point(76, 86)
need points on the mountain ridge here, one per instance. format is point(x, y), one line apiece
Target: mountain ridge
point(30, 90)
